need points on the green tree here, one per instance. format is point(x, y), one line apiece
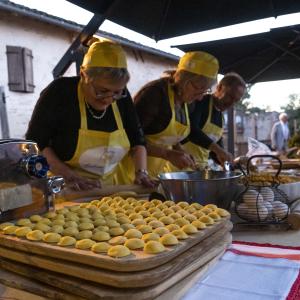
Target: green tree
point(293, 111)
point(244, 104)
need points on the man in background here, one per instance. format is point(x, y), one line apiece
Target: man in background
point(280, 134)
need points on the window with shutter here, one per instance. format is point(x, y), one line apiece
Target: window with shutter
point(20, 69)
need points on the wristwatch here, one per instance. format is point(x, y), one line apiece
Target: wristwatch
point(142, 171)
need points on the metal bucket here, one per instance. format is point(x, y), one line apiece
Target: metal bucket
point(204, 187)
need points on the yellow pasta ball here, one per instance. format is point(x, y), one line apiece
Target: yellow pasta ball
point(101, 236)
point(214, 216)
point(154, 247)
point(118, 240)
point(172, 227)
point(70, 231)
point(181, 222)
point(134, 243)
point(211, 206)
point(84, 234)
point(144, 228)
point(101, 247)
point(51, 237)
point(11, 229)
point(66, 241)
point(116, 231)
point(183, 204)
point(84, 244)
point(24, 222)
point(180, 234)
point(150, 237)
point(161, 231)
point(35, 235)
point(43, 227)
point(118, 251)
point(166, 220)
point(22, 231)
point(133, 233)
point(156, 224)
point(207, 220)
point(50, 215)
point(57, 228)
point(198, 224)
point(3, 225)
point(189, 229)
point(35, 218)
point(196, 205)
point(86, 226)
point(190, 218)
point(169, 239)
point(222, 212)
point(137, 222)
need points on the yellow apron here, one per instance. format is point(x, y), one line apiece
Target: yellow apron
point(174, 133)
point(98, 153)
point(213, 131)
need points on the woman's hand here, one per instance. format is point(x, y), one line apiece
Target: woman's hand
point(221, 154)
point(181, 159)
point(73, 180)
point(79, 183)
point(142, 177)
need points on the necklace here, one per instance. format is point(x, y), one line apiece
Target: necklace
point(92, 114)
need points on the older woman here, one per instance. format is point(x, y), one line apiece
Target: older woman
point(85, 125)
point(162, 109)
point(207, 121)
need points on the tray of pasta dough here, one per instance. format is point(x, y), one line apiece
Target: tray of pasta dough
point(114, 234)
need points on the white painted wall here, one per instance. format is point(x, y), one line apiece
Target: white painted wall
point(48, 44)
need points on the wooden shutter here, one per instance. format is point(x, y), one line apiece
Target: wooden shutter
point(28, 70)
point(20, 69)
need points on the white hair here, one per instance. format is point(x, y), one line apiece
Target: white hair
point(282, 115)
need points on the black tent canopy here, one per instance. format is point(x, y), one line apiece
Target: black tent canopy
point(273, 55)
point(161, 19)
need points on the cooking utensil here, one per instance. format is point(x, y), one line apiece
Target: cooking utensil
point(207, 186)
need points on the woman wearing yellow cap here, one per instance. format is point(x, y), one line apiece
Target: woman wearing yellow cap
point(207, 121)
point(85, 125)
point(162, 108)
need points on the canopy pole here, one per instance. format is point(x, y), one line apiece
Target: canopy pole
point(74, 53)
point(230, 130)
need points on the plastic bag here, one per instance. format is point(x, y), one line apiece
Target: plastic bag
point(257, 148)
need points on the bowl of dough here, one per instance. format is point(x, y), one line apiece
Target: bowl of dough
point(204, 187)
point(262, 205)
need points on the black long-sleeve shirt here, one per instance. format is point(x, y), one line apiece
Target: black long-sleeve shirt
point(199, 111)
point(56, 119)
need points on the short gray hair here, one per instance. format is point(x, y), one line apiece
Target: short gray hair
point(112, 73)
point(282, 115)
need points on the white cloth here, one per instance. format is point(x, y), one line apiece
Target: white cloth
point(285, 130)
point(237, 277)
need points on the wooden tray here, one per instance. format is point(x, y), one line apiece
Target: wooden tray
point(87, 290)
point(286, 164)
point(137, 261)
point(113, 278)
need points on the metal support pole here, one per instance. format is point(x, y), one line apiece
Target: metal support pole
point(84, 36)
point(231, 129)
point(70, 56)
point(3, 115)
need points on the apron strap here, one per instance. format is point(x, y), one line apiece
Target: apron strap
point(117, 115)
point(82, 109)
point(172, 105)
point(172, 101)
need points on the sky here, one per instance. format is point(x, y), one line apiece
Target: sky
point(271, 95)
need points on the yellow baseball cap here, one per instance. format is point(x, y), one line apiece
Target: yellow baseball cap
point(200, 63)
point(105, 54)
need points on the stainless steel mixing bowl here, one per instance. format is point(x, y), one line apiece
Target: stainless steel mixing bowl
point(204, 187)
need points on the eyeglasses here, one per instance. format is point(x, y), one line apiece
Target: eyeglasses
point(107, 94)
point(200, 90)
